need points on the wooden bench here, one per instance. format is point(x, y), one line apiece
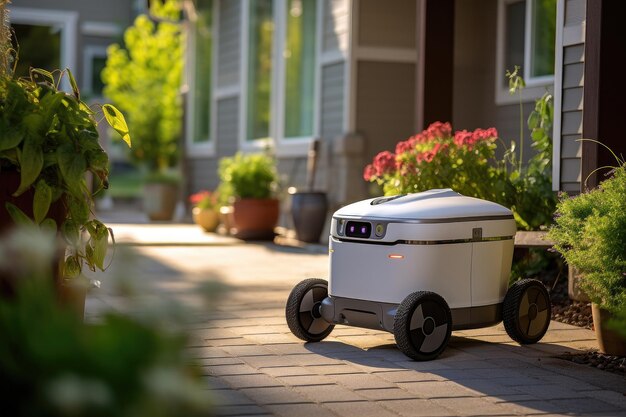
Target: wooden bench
point(533, 239)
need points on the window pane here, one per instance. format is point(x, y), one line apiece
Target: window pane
point(39, 47)
point(299, 57)
point(202, 71)
point(259, 69)
point(97, 65)
point(514, 43)
point(543, 36)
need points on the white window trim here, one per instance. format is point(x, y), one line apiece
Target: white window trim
point(535, 86)
point(66, 20)
point(89, 53)
point(206, 148)
point(282, 146)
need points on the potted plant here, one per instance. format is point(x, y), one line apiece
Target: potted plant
point(251, 179)
point(205, 210)
point(48, 142)
point(590, 233)
point(144, 81)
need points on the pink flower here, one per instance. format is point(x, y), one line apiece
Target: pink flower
point(384, 163)
point(369, 172)
point(438, 130)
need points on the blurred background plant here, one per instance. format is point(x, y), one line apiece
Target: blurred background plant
point(143, 79)
point(53, 364)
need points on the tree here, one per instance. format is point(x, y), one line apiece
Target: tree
point(144, 80)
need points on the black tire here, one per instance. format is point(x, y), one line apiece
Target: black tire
point(303, 310)
point(422, 325)
point(526, 311)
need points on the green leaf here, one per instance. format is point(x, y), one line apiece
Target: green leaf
point(31, 163)
point(19, 217)
point(100, 246)
point(116, 120)
point(41, 201)
point(71, 232)
point(73, 166)
point(73, 84)
point(36, 73)
point(49, 225)
point(10, 137)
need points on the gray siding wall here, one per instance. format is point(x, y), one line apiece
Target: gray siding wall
point(572, 94)
point(203, 171)
point(332, 100)
point(229, 37)
point(336, 25)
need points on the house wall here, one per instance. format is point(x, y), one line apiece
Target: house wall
point(473, 101)
point(202, 170)
point(384, 83)
point(571, 96)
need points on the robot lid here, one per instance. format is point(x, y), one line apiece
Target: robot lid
point(433, 206)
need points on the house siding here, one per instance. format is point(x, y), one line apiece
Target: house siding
point(229, 35)
point(385, 104)
point(571, 110)
point(336, 25)
point(387, 24)
point(203, 171)
point(332, 100)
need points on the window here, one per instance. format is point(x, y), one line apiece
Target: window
point(260, 39)
point(47, 39)
point(526, 38)
point(94, 61)
point(281, 88)
point(201, 45)
point(299, 61)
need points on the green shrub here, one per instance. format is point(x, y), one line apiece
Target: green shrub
point(590, 233)
point(248, 176)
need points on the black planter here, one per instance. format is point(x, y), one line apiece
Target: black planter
point(308, 209)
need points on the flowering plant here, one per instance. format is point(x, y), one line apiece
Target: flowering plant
point(205, 200)
point(437, 158)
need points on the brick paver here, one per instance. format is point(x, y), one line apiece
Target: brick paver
point(253, 365)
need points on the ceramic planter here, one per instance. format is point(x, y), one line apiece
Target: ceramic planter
point(255, 219)
point(208, 219)
point(159, 200)
point(308, 210)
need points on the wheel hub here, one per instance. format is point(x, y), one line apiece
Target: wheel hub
point(316, 311)
point(429, 326)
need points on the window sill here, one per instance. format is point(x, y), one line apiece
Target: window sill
point(532, 92)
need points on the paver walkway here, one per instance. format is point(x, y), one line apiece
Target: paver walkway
point(254, 365)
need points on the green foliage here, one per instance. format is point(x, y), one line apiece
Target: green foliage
point(532, 199)
point(144, 80)
point(467, 163)
point(590, 233)
point(50, 137)
point(54, 365)
point(247, 176)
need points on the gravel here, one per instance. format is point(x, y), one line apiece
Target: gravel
point(578, 314)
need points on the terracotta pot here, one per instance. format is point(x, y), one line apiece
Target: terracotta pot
point(255, 219)
point(208, 219)
point(308, 210)
point(9, 183)
point(609, 341)
point(159, 201)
